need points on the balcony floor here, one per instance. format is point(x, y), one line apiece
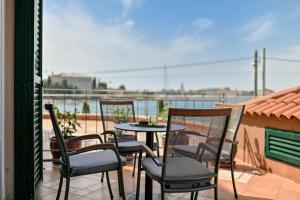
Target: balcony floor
point(251, 184)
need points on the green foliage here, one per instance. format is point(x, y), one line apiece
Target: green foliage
point(122, 87)
point(48, 84)
point(163, 109)
point(119, 115)
point(102, 86)
point(85, 107)
point(67, 122)
point(94, 83)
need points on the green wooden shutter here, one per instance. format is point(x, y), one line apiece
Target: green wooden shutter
point(28, 98)
point(283, 145)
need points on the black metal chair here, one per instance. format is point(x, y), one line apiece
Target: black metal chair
point(229, 147)
point(180, 174)
point(87, 160)
point(118, 111)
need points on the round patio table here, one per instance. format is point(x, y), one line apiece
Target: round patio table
point(149, 130)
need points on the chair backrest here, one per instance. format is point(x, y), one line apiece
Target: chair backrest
point(59, 138)
point(210, 122)
point(237, 111)
point(115, 111)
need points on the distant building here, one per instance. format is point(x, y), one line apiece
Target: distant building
point(75, 80)
point(182, 89)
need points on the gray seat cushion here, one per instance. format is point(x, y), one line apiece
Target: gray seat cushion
point(185, 150)
point(130, 146)
point(190, 151)
point(179, 169)
point(93, 162)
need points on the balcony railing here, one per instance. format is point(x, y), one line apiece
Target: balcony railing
point(145, 103)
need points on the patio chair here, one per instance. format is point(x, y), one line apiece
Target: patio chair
point(229, 147)
point(116, 111)
point(87, 160)
point(181, 174)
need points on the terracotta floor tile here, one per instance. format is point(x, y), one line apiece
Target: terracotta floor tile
point(266, 187)
point(53, 196)
point(288, 190)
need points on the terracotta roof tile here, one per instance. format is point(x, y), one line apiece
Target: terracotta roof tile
point(273, 108)
point(296, 115)
point(288, 114)
point(292, 98)
point(284, 97)
point(283, 109)
point(297, 101)
point(285, 103)
point(260, 110)
point(256, 107)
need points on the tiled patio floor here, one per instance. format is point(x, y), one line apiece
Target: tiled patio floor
point(251, 183)
point(250, 186)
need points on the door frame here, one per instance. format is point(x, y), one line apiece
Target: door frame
point(25, 55)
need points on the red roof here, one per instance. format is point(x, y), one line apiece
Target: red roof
point(282, 104)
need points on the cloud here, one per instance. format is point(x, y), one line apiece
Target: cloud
point(129, 23)
point(129, 5)
point(75, 42)
point(258, 29)
point(203, 24)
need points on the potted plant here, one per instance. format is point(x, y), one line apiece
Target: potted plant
point(121, 115)
point(68, 125)
point(85, 107)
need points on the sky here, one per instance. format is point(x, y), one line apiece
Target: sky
point(94, 36)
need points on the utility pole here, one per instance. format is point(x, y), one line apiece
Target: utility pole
point(255, 72)
point(165, 77)
point(264, 72)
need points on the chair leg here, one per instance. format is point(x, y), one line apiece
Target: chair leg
point(134, 164)
point(122, 183)
point(61, 180)
point(138, 184)
point(109, 186)
point(102, 177)
point(119, 184)
point(162, 191)
point(157, 140)
point(192, 196)
point(67, 188)
point(196, 196)
point(232, 177)
point(216, 192)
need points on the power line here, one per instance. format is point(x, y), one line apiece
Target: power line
point(211, 62)
point(283, 59)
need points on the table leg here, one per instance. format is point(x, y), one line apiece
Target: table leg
point(149, 183)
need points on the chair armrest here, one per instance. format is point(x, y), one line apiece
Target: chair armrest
point(206, 147)
point(104, 146)
point(233, 142)
point(85, 137)
point(113, 133)
point(151, 154)
point(148, 151)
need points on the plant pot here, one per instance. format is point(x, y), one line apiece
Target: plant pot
point(55, 150)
